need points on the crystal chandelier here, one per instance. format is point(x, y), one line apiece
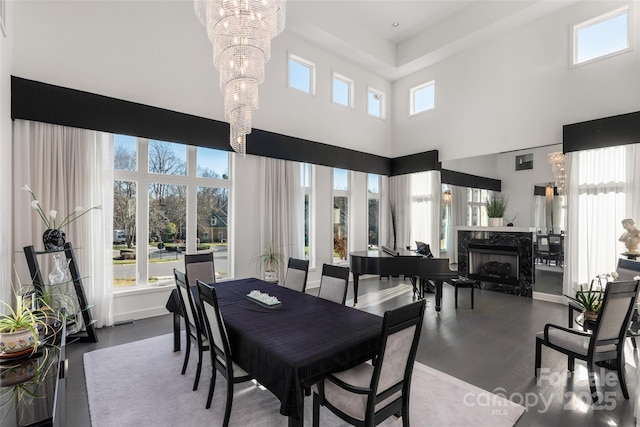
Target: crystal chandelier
point(240, 32)
point(557, 161)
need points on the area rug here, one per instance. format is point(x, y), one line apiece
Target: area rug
point(139, 384)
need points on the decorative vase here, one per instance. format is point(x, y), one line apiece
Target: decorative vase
point(53, 239)
point(271, 276)
point(496, 222)
point(17, 342)
point(60, 272)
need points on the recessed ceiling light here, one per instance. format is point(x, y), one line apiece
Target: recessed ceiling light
point(396, 24)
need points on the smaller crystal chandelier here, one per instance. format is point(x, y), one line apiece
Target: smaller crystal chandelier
point(557, 161)
point(240, 32)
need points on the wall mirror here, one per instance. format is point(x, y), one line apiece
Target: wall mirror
point(549, 209)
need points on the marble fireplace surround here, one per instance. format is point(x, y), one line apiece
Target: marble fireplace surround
point(518, 238)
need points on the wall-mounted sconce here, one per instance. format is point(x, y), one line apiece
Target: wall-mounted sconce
point(446, 197)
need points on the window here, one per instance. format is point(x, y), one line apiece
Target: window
point(125, 153)
point(167, 158)
point(342, 90)
point(375, 103)
point(302, 74)
point(425, 203)
point(340, 215)
point(153, 230)
point(306, 175)
point(600, 37)
point(423, 98)
point(477, 207)
point(212, 163)
point(373, 201)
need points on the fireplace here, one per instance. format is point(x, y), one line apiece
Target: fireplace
point(501, 259)
point(495, 264)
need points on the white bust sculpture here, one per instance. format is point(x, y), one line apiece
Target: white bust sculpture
point(631, 237)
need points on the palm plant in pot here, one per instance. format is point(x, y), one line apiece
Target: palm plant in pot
point(269, 260)
point(496, 207)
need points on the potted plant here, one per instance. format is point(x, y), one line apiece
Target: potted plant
point(590, 300)
point(19, 328)
point(496, 207)
point(269, 260)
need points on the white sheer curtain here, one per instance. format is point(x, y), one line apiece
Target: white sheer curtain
point(283, 209)
point(602, 190)
point(400, 201)
point(458, 217)
point(425, 209)
point(68, 167)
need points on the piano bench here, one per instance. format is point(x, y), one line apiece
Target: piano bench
point(463, 282)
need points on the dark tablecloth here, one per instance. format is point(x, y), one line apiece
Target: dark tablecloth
point(290, 348)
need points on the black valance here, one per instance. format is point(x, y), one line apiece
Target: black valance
point(599, 133)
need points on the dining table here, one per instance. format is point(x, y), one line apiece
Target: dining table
point(289, 347)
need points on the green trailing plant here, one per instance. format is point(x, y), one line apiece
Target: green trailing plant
point(269, 259)
point(496, 206)
point(22, 318)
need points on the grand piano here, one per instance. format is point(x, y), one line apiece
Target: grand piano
point(388, 262)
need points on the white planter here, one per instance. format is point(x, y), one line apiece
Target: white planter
point(496, 222)
point(271, 276)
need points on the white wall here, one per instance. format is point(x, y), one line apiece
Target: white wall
point(516, 91)
point(6, 181)
point(157, 53)
point(518, 185)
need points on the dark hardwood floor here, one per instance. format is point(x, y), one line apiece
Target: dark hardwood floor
point(491, 346)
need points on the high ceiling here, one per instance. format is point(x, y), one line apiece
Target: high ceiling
point(428, 31)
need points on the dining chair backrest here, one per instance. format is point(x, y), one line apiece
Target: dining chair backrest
point(400, 336)
point(214, 324)
point(555, 239)
point(615, 313)
point(627, 269)
point(297, 271)
point(189, 310)
point(333, 283)
point(543, 242)
point(199, 267)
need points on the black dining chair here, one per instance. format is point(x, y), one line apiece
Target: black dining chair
point(192, 324)
point(627, 269)
point(369, 393)
point(199, 267)
point(297, 271)
point(221, 357)
point(333, 283)
point(606, 342)
point(556, 248)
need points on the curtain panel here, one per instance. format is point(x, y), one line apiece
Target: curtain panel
point(426, 196)
point(602, 190)
point(68, 168)
point(283, 209)
point(458, 217)
point(400, 207)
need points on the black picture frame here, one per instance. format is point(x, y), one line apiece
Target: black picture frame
point(524, 162)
